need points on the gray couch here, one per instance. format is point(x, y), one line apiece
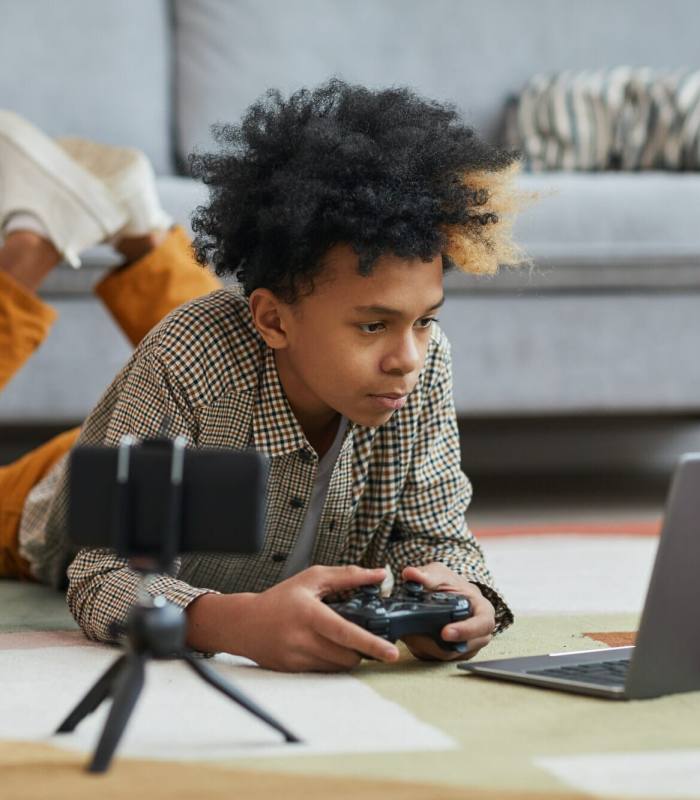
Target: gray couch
point(607, 321)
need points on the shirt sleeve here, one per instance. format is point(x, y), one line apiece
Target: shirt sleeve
point(101, 587)
point(430, 521)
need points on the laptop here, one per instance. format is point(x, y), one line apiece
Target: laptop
point(666, 657)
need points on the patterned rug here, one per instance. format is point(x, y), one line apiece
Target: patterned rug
point(428, 731)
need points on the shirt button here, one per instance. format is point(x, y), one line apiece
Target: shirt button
point(305, 456)
point(296, 502)
point(331, 525)
point(277, 557)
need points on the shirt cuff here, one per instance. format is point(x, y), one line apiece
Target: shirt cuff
point(180, 594)
point(504, 616)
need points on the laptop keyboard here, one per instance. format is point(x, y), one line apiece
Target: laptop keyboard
point(607, 673)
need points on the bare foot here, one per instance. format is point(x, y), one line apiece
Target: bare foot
point(28, 258)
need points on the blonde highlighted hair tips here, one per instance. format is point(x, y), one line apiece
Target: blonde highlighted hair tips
point(485, 242)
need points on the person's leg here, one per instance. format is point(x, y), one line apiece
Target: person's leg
point(25, 260)
point(161, 272)
point(16, 482)
point(51, 209)
point(166, 275)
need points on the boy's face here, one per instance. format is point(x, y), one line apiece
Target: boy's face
point(356, 345)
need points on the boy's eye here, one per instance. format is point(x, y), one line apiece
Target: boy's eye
point(371, 327)
point(375, 327)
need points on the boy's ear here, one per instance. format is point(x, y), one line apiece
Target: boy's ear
point(268, 316)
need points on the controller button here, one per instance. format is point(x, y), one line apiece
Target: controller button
point(413, 588)
point(372, 590)
point(439, 596)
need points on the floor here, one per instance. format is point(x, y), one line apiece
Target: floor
point(561, 583)
point(513, 500)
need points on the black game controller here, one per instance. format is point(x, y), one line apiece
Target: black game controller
point(411, 610)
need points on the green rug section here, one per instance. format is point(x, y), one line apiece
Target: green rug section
point(29, 606)
point(500, 727)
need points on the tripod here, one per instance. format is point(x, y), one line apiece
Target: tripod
point(155, 629)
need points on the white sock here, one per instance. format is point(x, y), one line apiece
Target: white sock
point(25, 221)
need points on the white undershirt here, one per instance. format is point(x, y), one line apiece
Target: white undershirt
point(300, 557)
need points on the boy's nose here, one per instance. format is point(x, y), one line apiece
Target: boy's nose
point(405, 357)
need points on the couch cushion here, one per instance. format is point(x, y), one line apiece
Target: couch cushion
point(604, 230)
point(612, 215)
point(574, 353)
point(228, 52)
point(94, 69)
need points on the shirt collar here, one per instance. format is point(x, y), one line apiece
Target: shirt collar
point(276, 431)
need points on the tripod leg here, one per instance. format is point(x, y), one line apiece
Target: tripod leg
point(100, 690)
point(126, 692)
point(210, 676)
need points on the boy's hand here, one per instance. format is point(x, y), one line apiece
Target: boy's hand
point(477, 630)
point(289, 628)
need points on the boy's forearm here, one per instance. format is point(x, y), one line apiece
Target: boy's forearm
point(102, 589)
point(215, 622)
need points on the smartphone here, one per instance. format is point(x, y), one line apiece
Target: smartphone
point(216, 503)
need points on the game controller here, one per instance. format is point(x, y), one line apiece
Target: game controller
point(410, 610)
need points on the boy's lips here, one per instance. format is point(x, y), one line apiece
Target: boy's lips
point(392, 401)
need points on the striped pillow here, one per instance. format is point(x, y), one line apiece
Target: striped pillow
point(631, 118)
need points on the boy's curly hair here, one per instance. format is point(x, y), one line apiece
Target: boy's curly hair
point(383, 171)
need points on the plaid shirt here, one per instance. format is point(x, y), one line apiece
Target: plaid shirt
point(397, 495)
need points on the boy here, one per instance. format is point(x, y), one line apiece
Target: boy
point(338, 211)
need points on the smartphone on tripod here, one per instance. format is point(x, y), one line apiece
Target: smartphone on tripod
point(151, 501)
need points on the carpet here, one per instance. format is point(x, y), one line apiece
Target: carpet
point(570, 592)
point(36, 772)
point(564, 528)
point(181, 718)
